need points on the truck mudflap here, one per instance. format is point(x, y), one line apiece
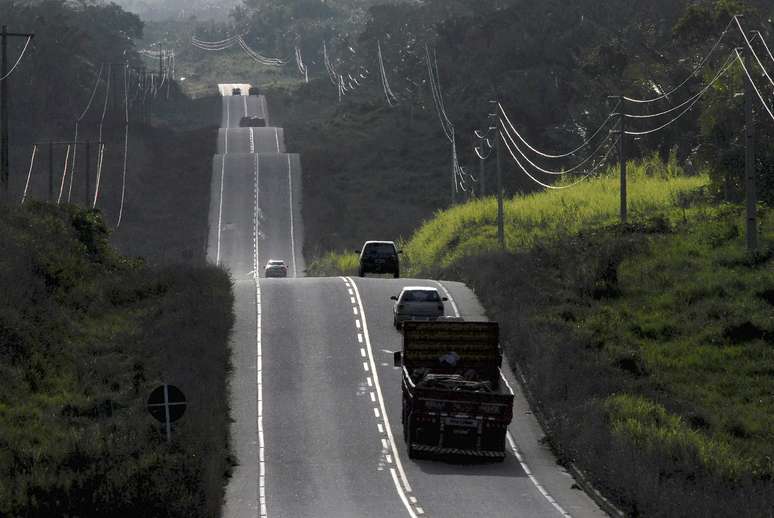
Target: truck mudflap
point(439, 450)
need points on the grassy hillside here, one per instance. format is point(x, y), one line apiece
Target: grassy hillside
point(85, 335)
point(648, 351)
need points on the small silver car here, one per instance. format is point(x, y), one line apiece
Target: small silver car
point(275, 268)
point(417, 303)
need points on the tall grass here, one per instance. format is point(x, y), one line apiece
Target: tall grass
point(654, 188)
point(85, 335)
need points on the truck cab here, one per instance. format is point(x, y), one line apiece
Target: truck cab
point(453, 401)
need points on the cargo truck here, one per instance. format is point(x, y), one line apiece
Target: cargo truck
point(454, 403)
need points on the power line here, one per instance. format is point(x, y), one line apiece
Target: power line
point(755, 87)
point(26, 44)
point(755, 54)
point(692, 103)
point(563, 155)
point(701, 65)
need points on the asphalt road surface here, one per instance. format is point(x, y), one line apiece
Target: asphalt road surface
point(315, 398)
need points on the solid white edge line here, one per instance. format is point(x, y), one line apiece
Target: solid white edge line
point(508, 435)
point(276, 138)
point(292, 232)
point(451, 299)
point(245, 100)
point(377, 386)
point(220, 207)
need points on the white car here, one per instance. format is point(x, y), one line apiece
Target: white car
point(417, 303)
point(275, 268)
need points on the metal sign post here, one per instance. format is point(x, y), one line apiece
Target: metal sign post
point(167, 404)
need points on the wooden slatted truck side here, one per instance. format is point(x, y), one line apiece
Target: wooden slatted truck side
point(454, 403)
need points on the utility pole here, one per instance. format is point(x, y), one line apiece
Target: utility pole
point(454, 174)
point(751, 195)
point(50, 171)
point(161, 62)
point(88, 171)
point(4, 160)
point(500, 207)
point(622, 154)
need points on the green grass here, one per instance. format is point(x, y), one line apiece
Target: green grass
point(85, 335)
point(469, 229)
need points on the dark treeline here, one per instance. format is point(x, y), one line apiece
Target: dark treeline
point(553, 64)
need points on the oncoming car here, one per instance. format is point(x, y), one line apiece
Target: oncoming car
point(275, 268)
point(417, 303)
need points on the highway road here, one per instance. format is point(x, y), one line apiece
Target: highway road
point(315, 398)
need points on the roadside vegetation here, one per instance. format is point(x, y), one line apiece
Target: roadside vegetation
point(88, 329)
point(85, 335)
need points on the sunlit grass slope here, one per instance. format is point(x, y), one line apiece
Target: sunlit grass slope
point(653, 188)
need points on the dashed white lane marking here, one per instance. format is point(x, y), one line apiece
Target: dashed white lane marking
point(370, 381)
point(276, 138)
point(259, 352)
point(399, 478)
point(508, 435)
point(292, 231)
point(362, 352)
point(244, 98)
point(360, 338)
point(352, 300)
point(354, 310)
point(252, 141)
point(381, 430)
point(220, 206)
point(365, 366)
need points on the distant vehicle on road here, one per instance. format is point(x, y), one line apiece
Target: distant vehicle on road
point(236, 91)
point(379, 257)
point(453, 401)
point(417, 303)
point(254, 90)
point(252, 121)
point(275, 268)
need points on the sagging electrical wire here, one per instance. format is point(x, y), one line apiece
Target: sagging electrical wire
point(29, 173)
point(300, 65)
point(77, 123)
point(21, 56)
point(554, 187)
point(334, 77)
point(766, 45)
point(585, 144)
point(692, 103)
point(755, 54)
point(503, 128)
point(260, 58)
point(126, 149)
point(699, 94)
point(392, 99)
point(755, 87)
point(64, 175)
point(100, 158)
point(701, 65)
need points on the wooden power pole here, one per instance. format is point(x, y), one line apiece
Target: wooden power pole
point(4, 160)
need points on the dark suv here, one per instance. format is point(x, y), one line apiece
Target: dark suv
point(379, 257)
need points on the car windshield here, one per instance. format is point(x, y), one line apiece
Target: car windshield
point(380, 249)
point(420, 296)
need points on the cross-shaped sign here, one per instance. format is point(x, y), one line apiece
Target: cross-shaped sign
point(167, 404)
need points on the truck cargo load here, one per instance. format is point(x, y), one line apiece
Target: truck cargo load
point(453, 400)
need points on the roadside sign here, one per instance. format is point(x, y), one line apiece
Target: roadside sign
point(167, 404)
